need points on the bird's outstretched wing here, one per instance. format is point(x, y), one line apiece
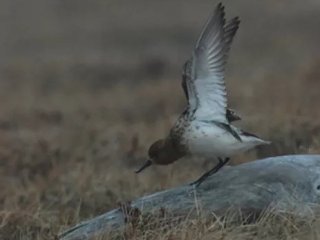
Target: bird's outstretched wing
point(203, 74)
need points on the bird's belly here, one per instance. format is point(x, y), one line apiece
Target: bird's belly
point(211, 141)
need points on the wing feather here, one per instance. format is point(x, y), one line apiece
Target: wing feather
point(203, 74)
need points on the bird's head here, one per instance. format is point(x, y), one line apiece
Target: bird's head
point(156, 155)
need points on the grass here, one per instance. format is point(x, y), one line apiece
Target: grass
point(81, 101)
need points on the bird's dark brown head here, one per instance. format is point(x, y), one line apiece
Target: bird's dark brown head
point(155, 151)
point(160, 152)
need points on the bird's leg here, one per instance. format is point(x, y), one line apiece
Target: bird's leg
point(223, 162)
point(215, 169)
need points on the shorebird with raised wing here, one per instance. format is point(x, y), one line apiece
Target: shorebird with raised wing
point(204, 128)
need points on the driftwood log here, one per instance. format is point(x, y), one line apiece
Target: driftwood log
point(285, 183)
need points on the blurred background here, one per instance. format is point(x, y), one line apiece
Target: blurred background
point(87, 86)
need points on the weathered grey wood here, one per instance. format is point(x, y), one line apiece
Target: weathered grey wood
point(287, 183)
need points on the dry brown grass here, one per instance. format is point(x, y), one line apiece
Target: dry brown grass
point(75, 125)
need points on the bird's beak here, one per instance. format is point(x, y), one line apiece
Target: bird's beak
point(148, 163)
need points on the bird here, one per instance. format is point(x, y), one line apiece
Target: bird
point(205, 126)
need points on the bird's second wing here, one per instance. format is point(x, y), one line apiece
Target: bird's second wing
point(206, 86)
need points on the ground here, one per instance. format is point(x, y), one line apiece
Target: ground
point(86, 87)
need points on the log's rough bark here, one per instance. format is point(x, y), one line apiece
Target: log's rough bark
point(286, 183)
